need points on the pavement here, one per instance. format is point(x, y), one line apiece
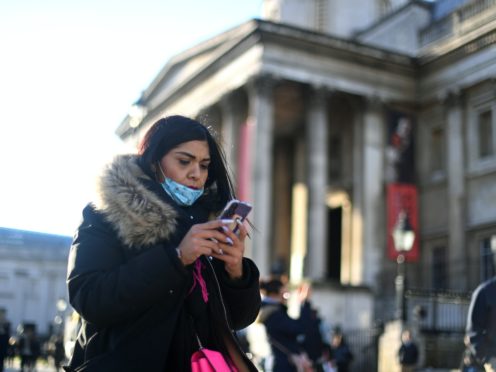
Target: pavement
point(41, 366)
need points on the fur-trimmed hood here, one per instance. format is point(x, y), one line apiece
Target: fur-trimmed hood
point(139, 216)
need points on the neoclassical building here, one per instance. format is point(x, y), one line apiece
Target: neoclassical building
point(33, 268)
point(339, 117)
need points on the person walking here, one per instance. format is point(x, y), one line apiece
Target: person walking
point(56, 350)
point(4, 337)
point(282, 331)
point(151, 271)
point(481, 324)
point(408, 353)
point(29, 348)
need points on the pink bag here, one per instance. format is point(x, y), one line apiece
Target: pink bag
point(206, 360)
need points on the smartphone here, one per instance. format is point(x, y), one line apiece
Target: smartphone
point(235, 210)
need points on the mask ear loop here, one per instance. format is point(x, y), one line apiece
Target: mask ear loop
point(161, 171)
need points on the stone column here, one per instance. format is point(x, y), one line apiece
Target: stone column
point(456, 192)
point(356, 264)
point(231, 121)
point(374, 226)
point(316, 136)
point(261, 117)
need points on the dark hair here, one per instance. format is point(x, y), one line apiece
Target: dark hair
point(168, 133)
point(272, 286)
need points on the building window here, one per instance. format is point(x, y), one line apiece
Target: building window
point(439, 268)
point(481, 130)
point(485, 132)
point(438, 150)
point(488, 250)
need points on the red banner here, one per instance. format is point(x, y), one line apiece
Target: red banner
point(402, 222)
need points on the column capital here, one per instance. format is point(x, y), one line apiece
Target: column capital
point(319, 93)
point(373, 103)
point(230, 101)
point(454, 98)
point(262, 84)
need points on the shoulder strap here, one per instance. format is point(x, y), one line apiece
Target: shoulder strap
point(279, 346)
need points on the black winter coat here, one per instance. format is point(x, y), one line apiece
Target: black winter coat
point(139, 306)
point(283, 332)
point(481, 321)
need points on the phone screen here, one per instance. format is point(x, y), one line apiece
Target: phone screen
point(235, 210)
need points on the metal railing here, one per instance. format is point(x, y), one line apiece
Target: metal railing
point(364, 345)
point(438, 311)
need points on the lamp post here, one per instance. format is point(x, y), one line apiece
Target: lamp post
point(403, 237)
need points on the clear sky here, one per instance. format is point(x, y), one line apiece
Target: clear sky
point(69, 72)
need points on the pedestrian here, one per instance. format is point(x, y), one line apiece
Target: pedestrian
point(4, 337)
point(339, 353)
point(408, 353)
point(29, 348)
point(481, 324)
point(284, 334)
point(56, 350)
point(151, 272)
point(313, 343)
point(469, 363)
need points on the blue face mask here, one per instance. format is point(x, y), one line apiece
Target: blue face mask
point(181, 194)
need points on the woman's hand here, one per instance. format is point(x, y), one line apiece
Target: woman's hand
point(205, 239)
point(232, 254)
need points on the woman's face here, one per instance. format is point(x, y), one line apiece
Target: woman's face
point(187, 164)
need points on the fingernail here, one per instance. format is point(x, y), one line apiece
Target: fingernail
point(224, 228)
point(221, 252)
point(229, 241)
point(227, 221)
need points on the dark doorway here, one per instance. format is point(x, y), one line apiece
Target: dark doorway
point(334, 244)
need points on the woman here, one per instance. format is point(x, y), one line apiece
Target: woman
point(284, 332)
point(151, 272)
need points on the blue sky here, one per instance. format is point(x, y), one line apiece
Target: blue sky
point(69, 72)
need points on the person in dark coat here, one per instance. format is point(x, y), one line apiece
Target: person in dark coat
point(151, 270)
point(29, 348)
point(408, 352)
point(340, 353)
point(313, 343)
point(56, 350)
point(481, 324)
point(4, 337)
point(285, 334)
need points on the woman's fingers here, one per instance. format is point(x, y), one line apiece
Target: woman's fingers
point(214, 238)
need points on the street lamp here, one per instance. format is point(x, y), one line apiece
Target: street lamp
point(403, 237)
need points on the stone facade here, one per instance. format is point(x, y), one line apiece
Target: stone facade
point(33, 269)
point(302, 108)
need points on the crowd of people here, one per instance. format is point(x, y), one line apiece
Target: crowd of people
point(28, 347)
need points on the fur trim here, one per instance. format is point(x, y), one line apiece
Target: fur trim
point(139, 216)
